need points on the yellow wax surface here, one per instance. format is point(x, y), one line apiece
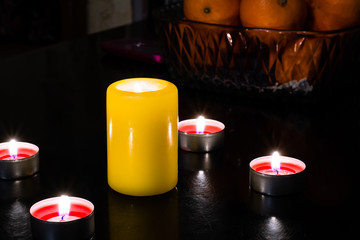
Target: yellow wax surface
point(142, 140)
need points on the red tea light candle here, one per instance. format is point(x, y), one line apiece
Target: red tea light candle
point(201, 134)
point(62, 218)
point(18, 159)
point(276, 175)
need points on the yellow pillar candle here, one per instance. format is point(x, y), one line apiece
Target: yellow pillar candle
point(142, 140)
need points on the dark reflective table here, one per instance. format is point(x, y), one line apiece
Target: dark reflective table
point(55, 98)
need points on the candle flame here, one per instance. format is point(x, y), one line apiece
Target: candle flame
point(200, 124)
point(13, 149)
point(275, 162)
point(64, 206)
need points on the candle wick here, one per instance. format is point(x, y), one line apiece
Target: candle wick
point(13, 156)
point(276, 171)
point(62, 217)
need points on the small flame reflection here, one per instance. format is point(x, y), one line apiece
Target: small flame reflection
point(229, 38)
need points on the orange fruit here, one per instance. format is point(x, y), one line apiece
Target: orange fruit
point(327, 15)
point(223, 12)
point(274, 14)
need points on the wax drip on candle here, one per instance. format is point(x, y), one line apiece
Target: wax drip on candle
point(275, 162)
point(13, 149)
point(64, 207)
point(200, 125)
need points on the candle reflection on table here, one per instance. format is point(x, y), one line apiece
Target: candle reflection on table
point(17, 224)
point(200, 161)
point(274, 228)
point(20, 188)
point(153, 217)
point(279, 206)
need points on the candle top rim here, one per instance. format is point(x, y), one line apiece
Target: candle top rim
point(283, 159)
point(208, 122)
point(199, 134)
point(55, 201)
point(30, 145)
point(125, 86)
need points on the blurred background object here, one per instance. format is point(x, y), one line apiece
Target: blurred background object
point(29, 24)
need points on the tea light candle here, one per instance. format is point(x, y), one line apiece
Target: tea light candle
point(276, 175)
point(142, 139)
point(18, 159)
point(201, 134)
point(62, 218)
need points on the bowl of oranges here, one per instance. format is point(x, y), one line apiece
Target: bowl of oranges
point(291, 46)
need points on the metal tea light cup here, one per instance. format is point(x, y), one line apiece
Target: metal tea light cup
point(22, 167)
point(201, 142)
point(276, 185)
